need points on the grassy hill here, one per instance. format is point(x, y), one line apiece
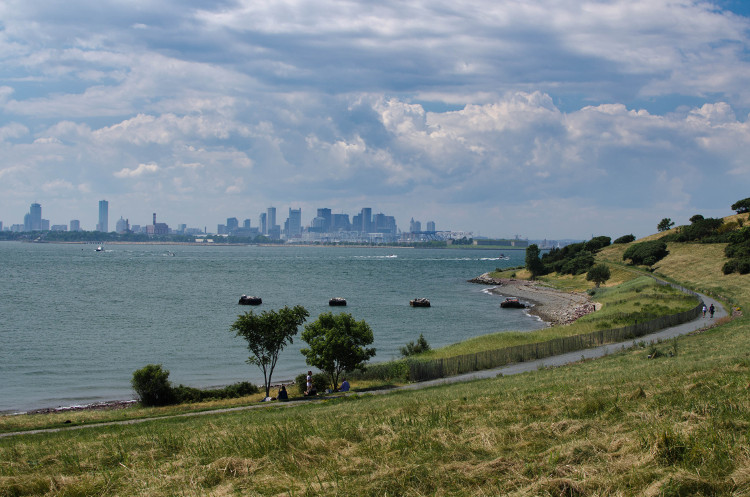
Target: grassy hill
point(675, 425)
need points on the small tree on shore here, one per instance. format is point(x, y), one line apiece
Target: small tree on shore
point(267, 334)
point(337, 344)
point(533, 263)
point(598, 274)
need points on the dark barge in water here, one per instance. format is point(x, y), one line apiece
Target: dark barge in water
point(245, 300)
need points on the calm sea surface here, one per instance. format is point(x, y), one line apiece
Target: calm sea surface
point(76, 323)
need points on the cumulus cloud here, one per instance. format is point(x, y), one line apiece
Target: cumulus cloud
point(466, 110)
point(137, 172)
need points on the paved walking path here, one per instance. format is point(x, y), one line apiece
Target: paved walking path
point(559, 360)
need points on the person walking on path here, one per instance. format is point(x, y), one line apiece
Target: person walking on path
point(704, 310)
point(309, 382)
point(711, 311)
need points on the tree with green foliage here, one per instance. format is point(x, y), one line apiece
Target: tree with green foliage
point(598, 274)
point(267, 334)
point(533, 263)
point(151, 384)
point(665, 224)
point(646, 253)
point(337, 343)
point(741, 206)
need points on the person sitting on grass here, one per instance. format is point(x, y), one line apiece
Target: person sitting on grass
point(282, 393)
point(344, 386)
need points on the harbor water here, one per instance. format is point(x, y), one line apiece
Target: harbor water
point(76, 322)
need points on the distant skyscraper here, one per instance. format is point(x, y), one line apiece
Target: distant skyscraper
point(366, 215)
point(430, 225)
point(262, 223)
point(35, 217)
point(325, 215)
point(232, 224)
point(75, 225)
point(271, 217)
point(103, 224)
point(294, 222)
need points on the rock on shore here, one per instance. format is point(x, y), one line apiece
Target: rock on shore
point(549, 304)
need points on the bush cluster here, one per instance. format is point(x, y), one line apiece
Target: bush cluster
point(738, 252)
point(320, 382)
point(151, 384)
point(625, 239)
point(646, 253)
point(576, 258)
point(412, 348)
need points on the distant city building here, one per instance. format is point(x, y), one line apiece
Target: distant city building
point(157, 228)
point(262, 223)
point(341, 223)
point(293, 224)
point(35, 217)
point(246, 224)
point(45, 224)
point(1, 226)
point(366, 219)
point(59, 227)
point(181, 229)
point(75, 225)
point(326, 217)
point(232, 224)
point(415, 226)
point(103, 224)
point(273, 230)
point(122, 226)
point(430, 226)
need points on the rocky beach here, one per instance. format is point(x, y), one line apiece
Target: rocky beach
point(550, 305)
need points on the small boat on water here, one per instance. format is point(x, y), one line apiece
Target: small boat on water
point(503, 257)
point(512, 303)
point(337, 301)
point(245, 300)
point(99, 249)
point(421, 302)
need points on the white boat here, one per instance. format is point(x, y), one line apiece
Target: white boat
point(99, 249)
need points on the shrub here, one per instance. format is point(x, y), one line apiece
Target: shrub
point(415, 348)
point(151, 384)
point(625, 239)
point(319, 380)
point(646, 253)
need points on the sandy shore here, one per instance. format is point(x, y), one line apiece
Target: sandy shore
point(550, 305)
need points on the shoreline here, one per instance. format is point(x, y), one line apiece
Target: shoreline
point(552, 306)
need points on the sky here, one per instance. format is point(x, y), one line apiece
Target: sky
point(542, 118)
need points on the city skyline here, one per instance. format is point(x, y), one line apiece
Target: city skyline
point(365, 221)
point(538, 118)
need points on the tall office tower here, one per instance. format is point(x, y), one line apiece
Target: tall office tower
point(294, 222)
point(262, 223)
point(75, 225)
point(271, 217)
point(35, 217)
point(415, 226)
point(246, 224)
point(103, 224)
point(232, 223)
point(366, 215)
point(430, 225)
point(325, 214)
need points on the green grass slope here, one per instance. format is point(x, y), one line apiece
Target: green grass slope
point(675, 425)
